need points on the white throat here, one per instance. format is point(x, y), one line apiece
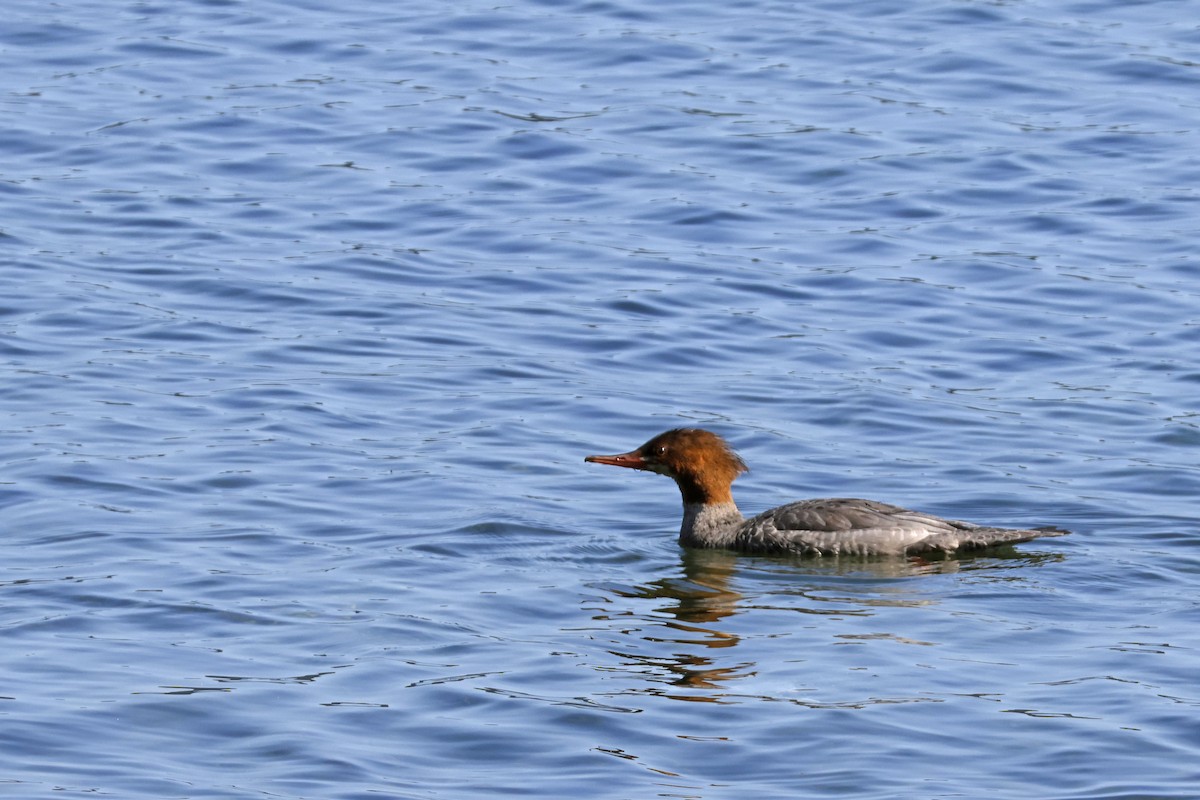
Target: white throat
point(709, 525)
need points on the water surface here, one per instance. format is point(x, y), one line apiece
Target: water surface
point(311, 313)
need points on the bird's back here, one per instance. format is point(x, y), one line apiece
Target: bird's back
point(851, 526)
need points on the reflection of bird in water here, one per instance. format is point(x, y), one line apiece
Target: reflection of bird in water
point(704, 467)
point(683, 616)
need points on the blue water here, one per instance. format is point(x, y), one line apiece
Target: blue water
point(311, 311)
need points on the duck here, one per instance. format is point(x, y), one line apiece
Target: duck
point(704, 467)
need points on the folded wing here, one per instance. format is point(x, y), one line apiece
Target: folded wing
point(851, 526)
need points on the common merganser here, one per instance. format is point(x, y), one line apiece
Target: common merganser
point(704, 467)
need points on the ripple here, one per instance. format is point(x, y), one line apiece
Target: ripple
point(307, 333)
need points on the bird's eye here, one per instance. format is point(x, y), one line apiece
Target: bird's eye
point(662, 450)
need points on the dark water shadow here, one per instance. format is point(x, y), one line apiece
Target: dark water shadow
point(687, 638)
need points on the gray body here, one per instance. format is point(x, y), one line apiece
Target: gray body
point(840, 526)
